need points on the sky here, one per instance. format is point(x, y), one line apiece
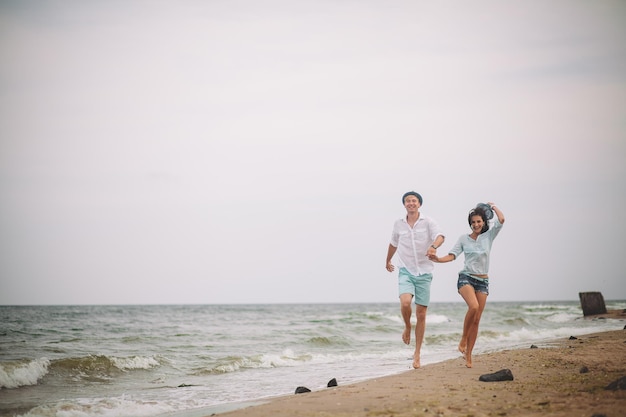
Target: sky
point(209, 152)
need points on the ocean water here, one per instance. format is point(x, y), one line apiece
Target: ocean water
point(194, 360)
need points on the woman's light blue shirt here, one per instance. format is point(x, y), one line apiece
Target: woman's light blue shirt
point(476, 251)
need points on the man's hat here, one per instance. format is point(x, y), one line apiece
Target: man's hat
point(419, 197)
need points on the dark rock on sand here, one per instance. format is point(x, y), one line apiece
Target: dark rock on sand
point(534, 347)
point(332, 383)
point(584, 370)
point(573, 338)
point(501, 375)
point(302, 390)
point(617, 384)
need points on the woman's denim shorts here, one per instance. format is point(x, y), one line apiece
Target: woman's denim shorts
point(479, 284)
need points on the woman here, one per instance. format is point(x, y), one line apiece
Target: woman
point(473, 283)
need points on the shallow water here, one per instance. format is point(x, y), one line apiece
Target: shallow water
point(185, 360)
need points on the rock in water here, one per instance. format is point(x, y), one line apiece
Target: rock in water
point(501, 375)
point(332, 383)
point(302, 390)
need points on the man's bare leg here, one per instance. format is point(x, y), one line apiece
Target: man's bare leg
point(405, 309)
point(420, 328)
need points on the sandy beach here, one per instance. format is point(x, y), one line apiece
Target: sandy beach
point(561, 378)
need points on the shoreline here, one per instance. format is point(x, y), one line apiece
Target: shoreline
point(563, 377)
point(610, 314)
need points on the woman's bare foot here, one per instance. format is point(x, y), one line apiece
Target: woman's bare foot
point(468, 361)
point(462, 349)
point(406, 335)
point(416, 361)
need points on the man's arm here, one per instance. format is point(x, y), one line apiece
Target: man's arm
point(432, 249)
point(390, 252)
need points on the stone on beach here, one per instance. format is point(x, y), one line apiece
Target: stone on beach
point(617, 384)
point(501, 375)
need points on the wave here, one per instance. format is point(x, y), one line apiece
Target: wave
point(136, 362)
point(436, 318)
point(104, 364)
point(431, 318)
point(562, 317)
point(235, 363)
point(525, 335)
point(114, 406)
point(288, 358)
point(548, 307)
point(14, 374)
point(442, 339)
point(323, 341)
point(516, 321)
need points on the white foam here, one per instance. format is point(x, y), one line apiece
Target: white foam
point(524, 335)
point(22, 373)
point(431, 318)
point(106, 407)
point(135, 362)
point(562, 317)
point(436, 318)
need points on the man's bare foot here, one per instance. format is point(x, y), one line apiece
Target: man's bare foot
point(406, 335)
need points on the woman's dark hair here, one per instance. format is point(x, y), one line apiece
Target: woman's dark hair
point(478, 212)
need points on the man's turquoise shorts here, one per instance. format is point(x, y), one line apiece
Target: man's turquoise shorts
point(416, 285)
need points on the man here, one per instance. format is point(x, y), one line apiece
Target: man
point(415, 238)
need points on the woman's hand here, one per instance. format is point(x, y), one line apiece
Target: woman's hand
point(497, 211)
point(448, 258)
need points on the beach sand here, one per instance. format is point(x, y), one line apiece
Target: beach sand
point(548, 381)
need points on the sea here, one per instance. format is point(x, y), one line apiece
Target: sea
point(198, 360)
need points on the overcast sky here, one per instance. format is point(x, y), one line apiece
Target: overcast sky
point(256, 151)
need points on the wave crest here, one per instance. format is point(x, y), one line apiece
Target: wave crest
point(16, 374)
point(235, 363)
point(135, 362)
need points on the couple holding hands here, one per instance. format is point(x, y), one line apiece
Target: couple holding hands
point(416, 238)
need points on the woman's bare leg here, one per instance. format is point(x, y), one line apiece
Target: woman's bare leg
point(467, 293)
point(475, 305)
point(463, 342)
point(473, 335)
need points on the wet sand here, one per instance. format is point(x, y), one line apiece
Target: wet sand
point(550, 379)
